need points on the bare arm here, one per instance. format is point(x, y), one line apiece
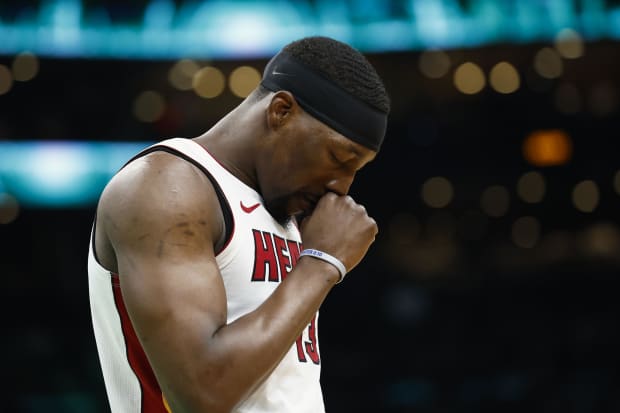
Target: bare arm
point(162, 226)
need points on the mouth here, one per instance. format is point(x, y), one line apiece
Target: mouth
point(307, 203)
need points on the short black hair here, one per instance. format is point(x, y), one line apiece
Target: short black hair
point(344, 66)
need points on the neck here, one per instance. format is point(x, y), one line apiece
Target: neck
point(232, 141)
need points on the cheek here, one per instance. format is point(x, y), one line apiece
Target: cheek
point(296, 166)
point(304, 172)
point(297, 169)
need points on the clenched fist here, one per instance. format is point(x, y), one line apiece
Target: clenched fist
point(340, 227)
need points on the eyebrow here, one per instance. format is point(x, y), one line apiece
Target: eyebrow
point(353, 149)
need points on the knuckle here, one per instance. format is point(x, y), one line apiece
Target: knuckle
point(373, 225)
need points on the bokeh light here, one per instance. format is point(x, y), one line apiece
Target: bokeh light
point(569, 44)
point(469, 78)
point(25, 66)
point(209, 82)
point(548, 63)
point(181, 74)
point(149, 106)
point(531, 187)
point(437, 192)
point(6, 79)
point(586, 196)
point(9, 208)
point(243, 80)
point(434, 63)
point(547, 147)
point(504, 78)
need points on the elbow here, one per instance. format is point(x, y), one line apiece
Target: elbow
point(202, 403)
point(217, 381)
point(219, 404)
point(215, 395)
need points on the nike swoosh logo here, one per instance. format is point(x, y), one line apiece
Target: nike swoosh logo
point(275, 72)
point(249, 209)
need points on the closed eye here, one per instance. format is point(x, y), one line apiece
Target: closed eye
point(336, 159)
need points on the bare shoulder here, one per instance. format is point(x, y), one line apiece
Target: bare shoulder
point(159, 197)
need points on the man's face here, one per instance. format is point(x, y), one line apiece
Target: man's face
point(308, 160)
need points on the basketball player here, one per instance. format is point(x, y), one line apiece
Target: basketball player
point(210, 256)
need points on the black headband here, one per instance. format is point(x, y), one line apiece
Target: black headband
point(325, 101)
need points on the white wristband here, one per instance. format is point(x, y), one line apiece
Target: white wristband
point(327, 258)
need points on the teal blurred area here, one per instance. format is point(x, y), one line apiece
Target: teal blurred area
point(60, 173)
point(166, 29)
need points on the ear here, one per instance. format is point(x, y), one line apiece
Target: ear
point(281, 108)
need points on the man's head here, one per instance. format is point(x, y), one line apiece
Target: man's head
point(329, 108)
point(335, 84)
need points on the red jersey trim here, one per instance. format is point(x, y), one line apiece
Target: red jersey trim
point(152, 399)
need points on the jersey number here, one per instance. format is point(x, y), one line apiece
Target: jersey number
point(310, 347)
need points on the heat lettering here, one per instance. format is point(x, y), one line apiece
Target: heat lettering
point(274, 256)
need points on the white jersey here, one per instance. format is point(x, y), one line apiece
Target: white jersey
point(259, 253)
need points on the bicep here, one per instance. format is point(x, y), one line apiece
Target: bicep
point(172, 291)
point(175, 309)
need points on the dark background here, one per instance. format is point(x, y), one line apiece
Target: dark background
point(433, 320)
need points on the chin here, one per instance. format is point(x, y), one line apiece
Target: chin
point(284, 208)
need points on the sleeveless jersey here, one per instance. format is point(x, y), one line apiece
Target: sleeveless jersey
point(258, 255)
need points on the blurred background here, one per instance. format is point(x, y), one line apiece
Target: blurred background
point(493, 283)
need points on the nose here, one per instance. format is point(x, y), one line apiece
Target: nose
point(341, 184)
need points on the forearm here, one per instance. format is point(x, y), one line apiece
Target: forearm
point(240, 355)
